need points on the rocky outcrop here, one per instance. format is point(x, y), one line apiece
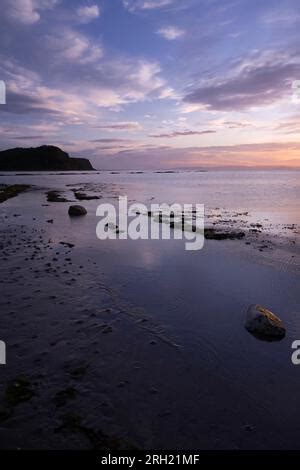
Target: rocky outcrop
point(45, 158)
point(264, 324)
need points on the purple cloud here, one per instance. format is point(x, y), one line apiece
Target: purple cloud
point(121, 126)
point(182, 134)
point(255, 85)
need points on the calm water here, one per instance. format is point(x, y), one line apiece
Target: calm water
point(272, 194)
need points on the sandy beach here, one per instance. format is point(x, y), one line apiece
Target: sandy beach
point(141, 344)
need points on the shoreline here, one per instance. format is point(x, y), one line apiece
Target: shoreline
point(135, 345)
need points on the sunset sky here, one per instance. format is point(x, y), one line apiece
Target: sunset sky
point(154, 83)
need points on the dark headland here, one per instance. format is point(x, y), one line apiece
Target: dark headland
point(44, 158)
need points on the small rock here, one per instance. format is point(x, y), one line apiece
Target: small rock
point(69, 245)
point(75, 211)
point(84, 197)
point(264, 324)
point(212, 234)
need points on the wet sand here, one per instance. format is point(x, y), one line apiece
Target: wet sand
point(141, 344)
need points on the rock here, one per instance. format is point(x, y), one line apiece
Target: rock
point(75, 211)
point(84, 197)
point(264, 324)
point(54, 196)
point(212, 234)
point(69, 245)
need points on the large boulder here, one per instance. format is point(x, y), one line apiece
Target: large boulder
point(264, 324)
point(75, 211)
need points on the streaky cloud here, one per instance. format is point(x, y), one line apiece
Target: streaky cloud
point(185, 133)
point(255, 84)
